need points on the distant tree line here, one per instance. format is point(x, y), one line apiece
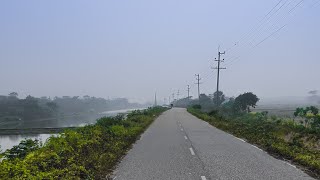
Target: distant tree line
point(218, 100)
point(31, 108)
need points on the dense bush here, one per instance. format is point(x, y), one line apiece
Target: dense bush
point(196, 106)
point(283, 138)
point(88, 152)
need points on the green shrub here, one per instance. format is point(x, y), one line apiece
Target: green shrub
point(88, 152)
point(277, 136)
point(196, 106)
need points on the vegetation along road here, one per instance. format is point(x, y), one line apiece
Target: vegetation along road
point(180, 146)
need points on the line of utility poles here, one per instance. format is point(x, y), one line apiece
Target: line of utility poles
point(198, 82)
point(188, 92)
point(219, 60)
point(218, 73)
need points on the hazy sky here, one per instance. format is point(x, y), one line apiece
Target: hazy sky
point(134, 48)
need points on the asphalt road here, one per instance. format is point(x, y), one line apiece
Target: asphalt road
point(180, 146)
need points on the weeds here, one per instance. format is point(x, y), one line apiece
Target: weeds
point(88, 152)
point(282, 138)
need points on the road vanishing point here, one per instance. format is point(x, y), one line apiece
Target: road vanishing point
point(179, 146)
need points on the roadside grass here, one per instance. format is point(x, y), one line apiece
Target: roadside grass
point(89, 152)
point(281, 138)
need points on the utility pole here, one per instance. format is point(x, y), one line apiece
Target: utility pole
point(173, 97)
point(188, 92)
point(198, 82)
point(178, 93)
point(155, 99)
point(218, 75)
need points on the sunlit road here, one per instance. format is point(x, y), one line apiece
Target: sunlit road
point(180, 146)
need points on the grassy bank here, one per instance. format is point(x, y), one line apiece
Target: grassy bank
point(282, 138)
point(88, 152)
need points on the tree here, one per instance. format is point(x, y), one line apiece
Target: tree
point(313, 110)
point(244, 101)
point(86, 97)
point(229, 104)
point(13, 94)
point(53, 106)
point(218, 98)
point(205, 102)
point(204, 99)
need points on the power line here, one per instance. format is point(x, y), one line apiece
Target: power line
point(316, 4)
point(285, 16)
point(295, 6)
point(269, 36)
point(277, 20)
point(272, 25)
point(257, 32)
point(260, 23)
point(273, 33)
point(256, 45)
point(274, 12)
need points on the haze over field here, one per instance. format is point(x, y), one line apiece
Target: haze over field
point(140, 89)
point(134, 48)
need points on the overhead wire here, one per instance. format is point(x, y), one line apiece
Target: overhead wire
point(273, 33)
point(259, 24)
point(257, 33)
point(262, 23)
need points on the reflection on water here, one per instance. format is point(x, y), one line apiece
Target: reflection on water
point(115, 112)
point(76, 120)
point(8, 141)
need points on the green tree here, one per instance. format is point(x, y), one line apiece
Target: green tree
point(229, 104)
point(218, 98)
point(244, 101)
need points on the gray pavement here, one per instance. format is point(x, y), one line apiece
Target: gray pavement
point(180, 146)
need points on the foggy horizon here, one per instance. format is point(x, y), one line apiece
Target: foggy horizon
point(162, 90)
point(136, 49)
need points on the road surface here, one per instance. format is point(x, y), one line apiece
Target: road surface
point(180, 146)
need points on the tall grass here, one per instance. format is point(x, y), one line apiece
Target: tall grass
point(282, 138)
point(88, 152)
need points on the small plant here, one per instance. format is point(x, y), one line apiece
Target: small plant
point(310, 116)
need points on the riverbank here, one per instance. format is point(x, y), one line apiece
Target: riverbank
point(88, 152)
point(33, 131)
point(283, 139)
